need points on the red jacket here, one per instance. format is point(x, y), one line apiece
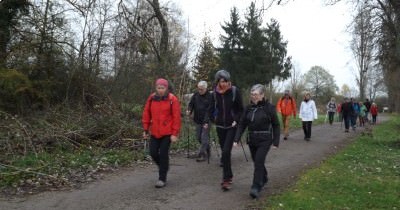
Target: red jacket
point(162, 116)
point(286, 107)
point(374, 110)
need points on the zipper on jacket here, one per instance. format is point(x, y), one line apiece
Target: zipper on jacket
point(223, 112)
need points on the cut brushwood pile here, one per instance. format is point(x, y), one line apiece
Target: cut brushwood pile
point(64, 148)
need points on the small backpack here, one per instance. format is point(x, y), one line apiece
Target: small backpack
point(169, 98)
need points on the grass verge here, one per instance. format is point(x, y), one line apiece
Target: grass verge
point(365, 175)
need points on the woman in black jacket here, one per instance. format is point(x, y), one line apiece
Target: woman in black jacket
point(263, 131)
point(225, 109)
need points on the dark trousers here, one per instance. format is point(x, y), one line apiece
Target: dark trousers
point(374, 119)
point(331, 115)
point(225, 137)
point(353, 120)
point(307, 128)
point(258, 155)
point(159, 151)
point(347, 119)
point(203, 136)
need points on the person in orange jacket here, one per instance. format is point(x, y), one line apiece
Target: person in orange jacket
point(161, 121)
point(287, 107)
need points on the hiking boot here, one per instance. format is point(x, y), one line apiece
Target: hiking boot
point(225, 186)
point(285, 138)
point(230, 181)
point(201, 159)
point(346, 131)
point(160, 184)
point(254, 193)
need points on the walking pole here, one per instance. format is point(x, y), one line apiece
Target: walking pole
point(244, 152)
point(341, 122)
point(216, 146)
point(187, 136)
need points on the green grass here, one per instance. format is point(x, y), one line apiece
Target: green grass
point(366, 175)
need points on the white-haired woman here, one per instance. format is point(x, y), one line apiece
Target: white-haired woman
point(262, 122)
point(331, 109)
point(198, 105)
point(308, 113)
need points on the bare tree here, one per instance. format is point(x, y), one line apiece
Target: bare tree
point(362, 46)
point(296, 82)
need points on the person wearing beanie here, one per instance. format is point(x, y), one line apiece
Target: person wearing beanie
point(161, 120)
point(225, 110)
point(308, 113)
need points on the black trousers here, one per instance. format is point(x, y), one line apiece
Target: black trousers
point(258, 155)
point(225, 137)
point(159, 151)
point(347, 119)
point(307, 128)
point(331, 115)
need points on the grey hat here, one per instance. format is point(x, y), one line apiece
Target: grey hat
point(222, 74)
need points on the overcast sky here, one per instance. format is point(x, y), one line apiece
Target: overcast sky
point(316, 34)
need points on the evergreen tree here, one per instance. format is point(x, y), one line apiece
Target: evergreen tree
point(251, 53)
point(206, 61)
point(255, 58)
point(232, 44)
point(280, 62)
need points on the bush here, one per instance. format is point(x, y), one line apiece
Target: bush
point(15, 90)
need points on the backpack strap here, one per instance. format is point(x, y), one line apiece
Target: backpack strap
point(234, 90)
point(267, 110)
point(169, 98)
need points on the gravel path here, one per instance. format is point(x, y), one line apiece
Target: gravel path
point(193, 185)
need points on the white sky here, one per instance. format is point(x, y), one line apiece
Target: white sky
point(316, 34)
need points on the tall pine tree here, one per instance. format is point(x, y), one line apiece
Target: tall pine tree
point(206, 61)
point(231, 45)
point(280, 62)
point(255, 58)
point(252, 53)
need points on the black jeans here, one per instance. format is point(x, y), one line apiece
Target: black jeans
point(347, 119)
point(331, 115)
point(225, 137)
point(159, 151)
point(374, 119)
point(258, 155)
point(307, 128)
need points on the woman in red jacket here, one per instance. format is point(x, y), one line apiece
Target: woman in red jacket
point(374, 112)
point(161, 122)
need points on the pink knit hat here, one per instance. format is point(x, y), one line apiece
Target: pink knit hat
point(162, 82)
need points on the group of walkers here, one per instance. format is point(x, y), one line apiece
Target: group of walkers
point(350, 111)
point(224, 108)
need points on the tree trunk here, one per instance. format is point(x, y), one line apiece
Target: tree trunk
point(164, 30)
